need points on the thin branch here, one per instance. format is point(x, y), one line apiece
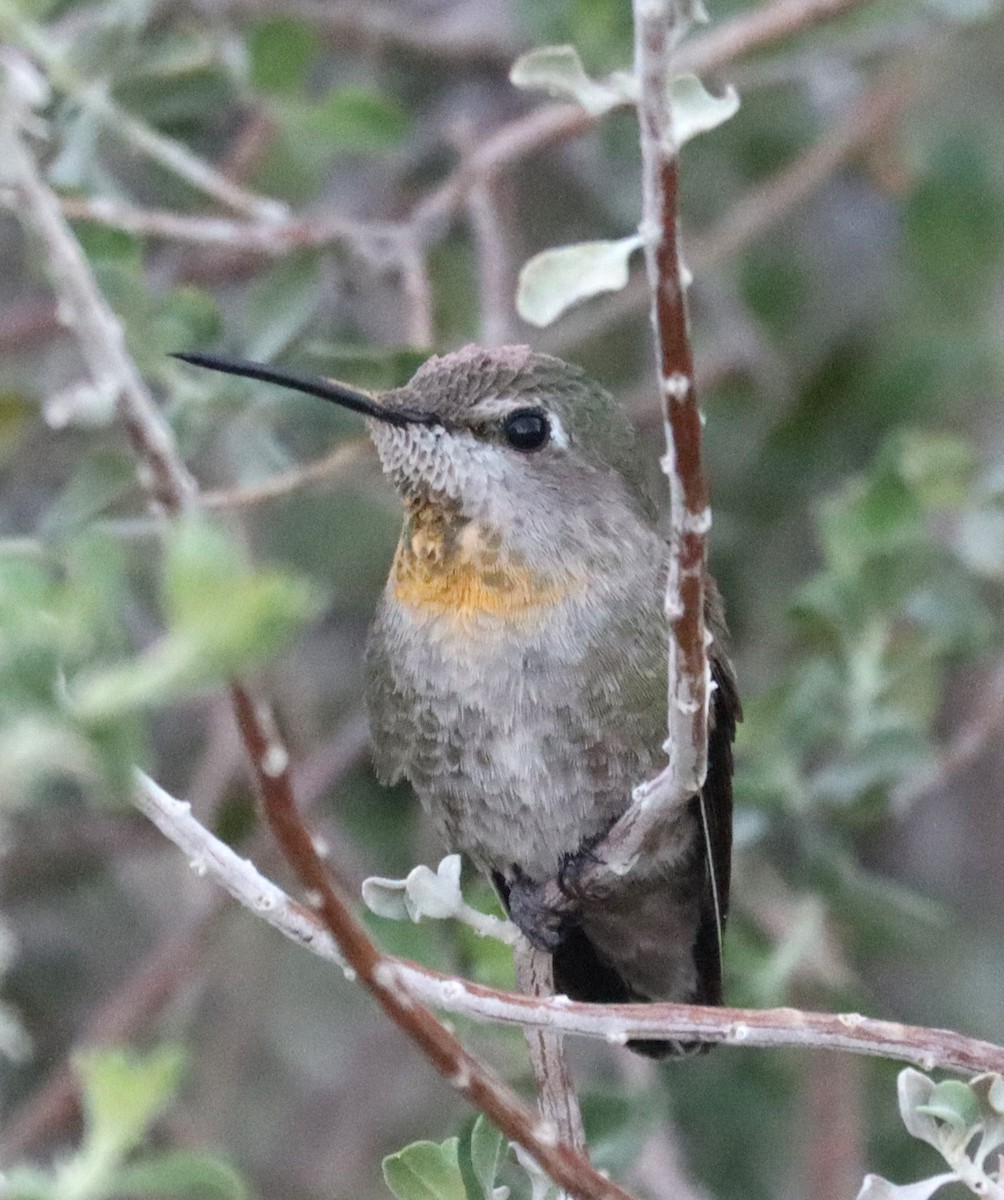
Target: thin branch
point(832, 1106)
point(557, 1098)
point(753, 31)
point(659, 24)
point(175, 157)
point(494, 264)
point(420, 326)
point(929, 1049)
point(92, 95)
point(341, 459)
point(382, 976)
point(81, 306)
point(274, 239)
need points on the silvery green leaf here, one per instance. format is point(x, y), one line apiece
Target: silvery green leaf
point(448, 872)
point(953, 1103)
point(386, 897)
point(558, 70)
point(554, 280)
point(425, 1171)
point(695, 110)
point(991, 1088)
point(122, 1093)
point(488, 1148)
point(989, 1091)
point(435, 894)
point(877, 1188)
point(913, 1091)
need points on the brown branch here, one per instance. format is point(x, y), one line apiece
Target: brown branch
point(832, 1108)
point(382, 978)
point(658, 24)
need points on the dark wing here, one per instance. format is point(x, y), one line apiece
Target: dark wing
point(726, 711)
point(716, 806)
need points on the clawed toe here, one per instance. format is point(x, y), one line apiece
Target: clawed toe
point(541, 911)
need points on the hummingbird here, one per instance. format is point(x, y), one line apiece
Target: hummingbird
point(517, 664)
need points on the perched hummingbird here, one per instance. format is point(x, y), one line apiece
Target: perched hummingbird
point(517, 664)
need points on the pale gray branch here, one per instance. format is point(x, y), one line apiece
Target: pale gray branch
point(556, 1091)
point(614, 1023)
point(81, 306)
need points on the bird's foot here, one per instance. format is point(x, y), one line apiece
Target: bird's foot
point(542, 912)
point(574, 869)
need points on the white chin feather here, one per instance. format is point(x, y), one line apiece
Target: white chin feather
point(430, 460)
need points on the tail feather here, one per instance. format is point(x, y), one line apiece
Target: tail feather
point(581, 974)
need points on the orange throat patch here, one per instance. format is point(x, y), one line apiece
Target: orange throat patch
point(446, 566)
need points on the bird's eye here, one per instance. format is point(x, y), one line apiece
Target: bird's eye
point(527, 429)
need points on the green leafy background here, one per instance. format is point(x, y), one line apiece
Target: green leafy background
point(850, 361)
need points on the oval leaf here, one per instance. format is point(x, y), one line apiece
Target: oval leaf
point(554, 280)
point(431, 894)
point(488, 1147)
point(954, 1103)
point(558, 70)
point(913, 1091)
point(385, 897)
point(695, 110)
point(425, 1171)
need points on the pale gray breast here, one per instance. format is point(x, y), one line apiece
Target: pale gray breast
point(524, 741)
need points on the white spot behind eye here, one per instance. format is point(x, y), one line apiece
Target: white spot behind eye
point(558, 435)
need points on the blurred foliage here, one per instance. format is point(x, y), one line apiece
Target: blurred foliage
point(122, 1093)
point(856, 454)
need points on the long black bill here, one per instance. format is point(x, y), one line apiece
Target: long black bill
point(312, 385)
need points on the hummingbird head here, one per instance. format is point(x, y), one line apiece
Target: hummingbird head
point(503, 435)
